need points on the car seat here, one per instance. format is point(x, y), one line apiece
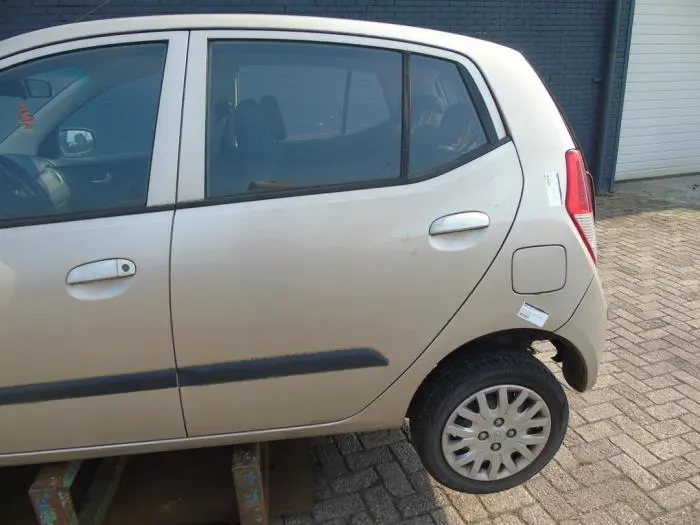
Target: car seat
point(271, 110)
point(259, 154)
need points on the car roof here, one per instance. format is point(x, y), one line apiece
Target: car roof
point(75, 31)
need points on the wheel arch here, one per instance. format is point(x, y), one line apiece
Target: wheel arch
point(573, 364)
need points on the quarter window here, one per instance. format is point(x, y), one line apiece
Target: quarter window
point(444, 123)
point(77, 131)
point(301, 115)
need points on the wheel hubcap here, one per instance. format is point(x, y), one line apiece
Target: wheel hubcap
point(496, 432)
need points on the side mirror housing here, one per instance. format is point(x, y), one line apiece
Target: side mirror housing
point(76, 142)
point(25, 89)
point(38, 88)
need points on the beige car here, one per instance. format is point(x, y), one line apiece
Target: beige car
point(223, 229)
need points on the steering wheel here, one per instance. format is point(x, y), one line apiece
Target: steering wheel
point(21, 192)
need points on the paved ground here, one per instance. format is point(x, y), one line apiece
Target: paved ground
point(632, 453)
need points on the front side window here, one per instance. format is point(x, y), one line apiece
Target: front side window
point(284, 115)
point(77, 130)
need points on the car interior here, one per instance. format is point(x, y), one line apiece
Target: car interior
point(258, 142)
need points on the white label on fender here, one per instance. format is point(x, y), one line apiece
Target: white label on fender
point(551, 182)
point(533, 315)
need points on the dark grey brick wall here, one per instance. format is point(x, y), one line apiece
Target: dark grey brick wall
point(567, 41)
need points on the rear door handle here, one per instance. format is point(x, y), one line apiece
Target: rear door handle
point(105, 270)
point(460, 222)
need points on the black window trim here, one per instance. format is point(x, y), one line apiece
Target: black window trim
point(462, 160)
point(493, 141)
point(405, 167)
point(477, 98)
point(83, 215)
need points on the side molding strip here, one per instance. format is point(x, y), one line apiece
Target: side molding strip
point(88, 387)
point(201, 375)
point(292, 365)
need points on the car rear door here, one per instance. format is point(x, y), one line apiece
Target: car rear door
point(86, 353)
point(338, 200)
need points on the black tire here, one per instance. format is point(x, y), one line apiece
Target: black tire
point(456, 380)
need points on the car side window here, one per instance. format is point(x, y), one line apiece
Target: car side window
point(445, 125)
point(123, 117)
point(286, 116)
point(90, 116)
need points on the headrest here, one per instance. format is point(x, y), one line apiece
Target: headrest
point(271, 109)
point(249, 124)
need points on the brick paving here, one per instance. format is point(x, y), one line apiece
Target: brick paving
point(632, 452)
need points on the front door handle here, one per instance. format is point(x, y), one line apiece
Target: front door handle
point(460, 222)
point(105, 270)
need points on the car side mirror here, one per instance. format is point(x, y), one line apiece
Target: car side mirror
point(37, 88)
point(26, 89)
point(76, 142)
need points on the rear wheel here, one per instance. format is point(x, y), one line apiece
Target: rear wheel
point(489, 421)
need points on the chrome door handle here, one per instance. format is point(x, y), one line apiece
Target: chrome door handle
point(460, 222)
point(104, 270)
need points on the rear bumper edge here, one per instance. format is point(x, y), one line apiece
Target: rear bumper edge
point(585, 331)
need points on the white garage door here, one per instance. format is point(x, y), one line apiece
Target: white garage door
point(660, 132)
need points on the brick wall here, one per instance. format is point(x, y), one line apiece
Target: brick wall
point(565, 40)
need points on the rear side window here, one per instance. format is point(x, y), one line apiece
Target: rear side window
point(445, 126)
point(285, 116)
point(367, 105)
point(295, 117)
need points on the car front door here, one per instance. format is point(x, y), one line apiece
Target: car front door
point(86, 352)
point(328, 227)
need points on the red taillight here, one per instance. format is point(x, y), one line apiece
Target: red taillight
point(579, 199)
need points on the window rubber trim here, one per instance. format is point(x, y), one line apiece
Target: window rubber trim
point(479, 104)
point(83, 216)
point(436, 171)
point(405, 116)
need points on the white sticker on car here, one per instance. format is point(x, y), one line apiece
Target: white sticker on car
point(533, 315)
point(553, 185)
